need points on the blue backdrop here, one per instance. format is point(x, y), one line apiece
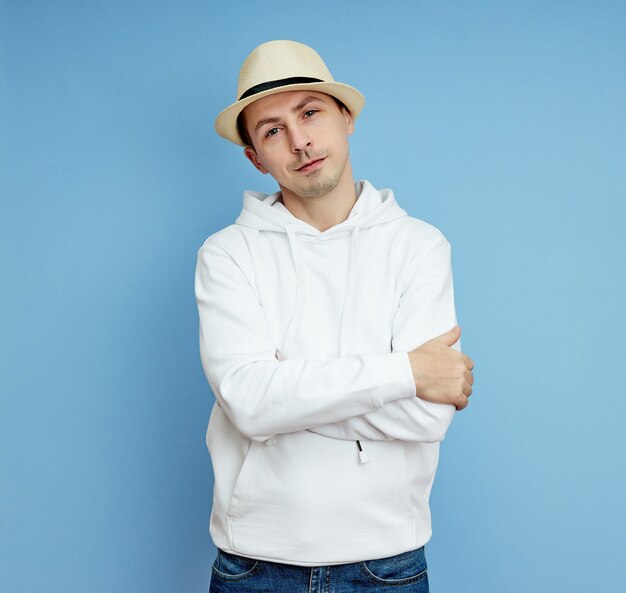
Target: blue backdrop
point(502, 123)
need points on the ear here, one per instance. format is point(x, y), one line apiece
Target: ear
point(254, 159)
point(349, 120)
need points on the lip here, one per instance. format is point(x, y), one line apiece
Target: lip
point(311, 166)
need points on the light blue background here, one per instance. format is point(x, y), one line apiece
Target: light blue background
point(502, 123)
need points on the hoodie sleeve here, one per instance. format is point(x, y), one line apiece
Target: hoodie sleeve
point(426, 310)
point(263, 396)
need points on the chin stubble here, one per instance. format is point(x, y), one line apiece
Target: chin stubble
point(319, 188)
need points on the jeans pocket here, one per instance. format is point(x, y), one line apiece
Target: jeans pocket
point(233, 567)
point(405, 568)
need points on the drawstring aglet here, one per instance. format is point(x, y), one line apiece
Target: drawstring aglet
point(362, 455)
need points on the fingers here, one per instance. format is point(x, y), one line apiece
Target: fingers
point(462, 403)
point(463, 400)
point(467, 388)
point(443, 374)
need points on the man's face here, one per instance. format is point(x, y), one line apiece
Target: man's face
point(301, 139)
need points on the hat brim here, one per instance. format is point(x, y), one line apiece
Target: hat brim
point(226, 122)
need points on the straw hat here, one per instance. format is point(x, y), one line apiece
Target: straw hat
point(279, 66)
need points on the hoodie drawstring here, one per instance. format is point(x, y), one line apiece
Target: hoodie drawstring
point(348, 304)
point(297, 264)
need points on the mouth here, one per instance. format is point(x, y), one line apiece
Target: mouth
point(311, 166)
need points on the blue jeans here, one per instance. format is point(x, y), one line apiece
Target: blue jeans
point(406, 572)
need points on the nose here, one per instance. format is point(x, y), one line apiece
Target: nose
point(299, 138)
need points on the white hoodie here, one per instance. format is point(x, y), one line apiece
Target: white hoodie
point(304, 338)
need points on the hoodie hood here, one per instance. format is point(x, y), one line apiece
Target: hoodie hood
point(264, 212)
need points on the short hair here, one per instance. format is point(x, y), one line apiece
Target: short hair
point(242, 129)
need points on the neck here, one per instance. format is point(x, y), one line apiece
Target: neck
point(324, 211)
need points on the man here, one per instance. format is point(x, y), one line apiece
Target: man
point(328, 335)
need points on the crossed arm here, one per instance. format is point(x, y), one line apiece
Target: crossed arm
point(359, 396)
point(424, 325)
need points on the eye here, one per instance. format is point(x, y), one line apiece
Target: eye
point(271, 132)
point(310, 112)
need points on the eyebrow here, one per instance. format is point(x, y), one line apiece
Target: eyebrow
point(273, 120)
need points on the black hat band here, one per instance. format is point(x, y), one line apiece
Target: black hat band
point(272, 84)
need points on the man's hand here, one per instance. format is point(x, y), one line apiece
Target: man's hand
point(442, 375)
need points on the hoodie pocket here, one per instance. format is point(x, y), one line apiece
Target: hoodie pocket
point(243, 483)
point(308, 498)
